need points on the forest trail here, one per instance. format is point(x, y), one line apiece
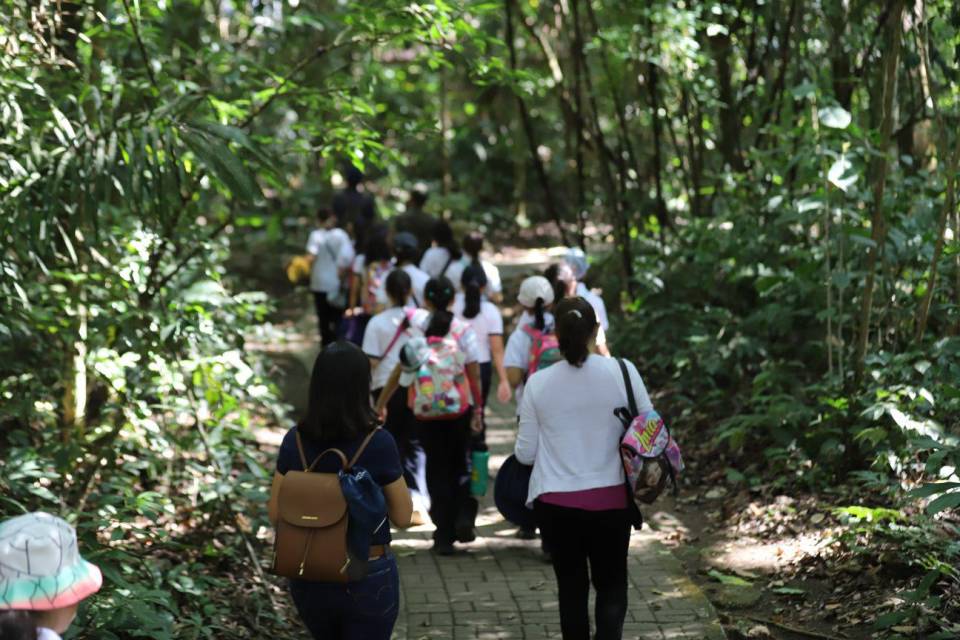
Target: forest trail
point(501, 587)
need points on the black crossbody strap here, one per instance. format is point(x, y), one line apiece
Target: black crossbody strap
point(631, 399)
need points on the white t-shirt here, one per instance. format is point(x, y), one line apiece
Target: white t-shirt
point(333, 251)
point(517, 352)
point(466, 338)
point(379, 334)
point(494, 284)
point(598, 306)
point(433, 261)
point(487, 323)
point(418, 280)
point(567, 428)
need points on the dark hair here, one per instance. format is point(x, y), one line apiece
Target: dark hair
point(398, 286)
point(324, 214)
point(473, 245)
point(17, 625)
point(338, 407)
point(418, 197)
point(473, 280)
point(576, 322)
point(406, 253)
point(443, 236)
point(552, 273)
point(439, 291)
point(377, 245)
point(352, 175)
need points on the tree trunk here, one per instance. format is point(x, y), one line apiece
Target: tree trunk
point(878, 232)
point(525, 120)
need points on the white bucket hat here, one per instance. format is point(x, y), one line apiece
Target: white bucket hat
point(40, 565)
point(414, 353)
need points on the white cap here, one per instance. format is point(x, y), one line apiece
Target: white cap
point(535, 287)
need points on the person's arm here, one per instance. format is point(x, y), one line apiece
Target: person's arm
point(399, 504)
point(273, 506)
point(354, 294)
point(473, 379)
point(515, 376)
point(388, 390)
point(503, 384)
point(600, 344)
point(528, 436)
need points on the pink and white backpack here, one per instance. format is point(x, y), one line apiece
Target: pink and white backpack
point(649, 453)
point(439, 390)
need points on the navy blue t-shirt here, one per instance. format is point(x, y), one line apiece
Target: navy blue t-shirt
point(381, 459)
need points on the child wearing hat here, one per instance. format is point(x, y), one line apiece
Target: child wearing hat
point(43, 579)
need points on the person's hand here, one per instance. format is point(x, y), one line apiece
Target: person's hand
point(381, 414)
point(476, 423)
point(503, 391)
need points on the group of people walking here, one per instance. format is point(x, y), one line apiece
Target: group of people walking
point(394, 430)
point(414, 349)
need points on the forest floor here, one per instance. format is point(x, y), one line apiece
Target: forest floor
point(762, 559)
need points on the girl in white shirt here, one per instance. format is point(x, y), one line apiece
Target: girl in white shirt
point(445, 441)
point(472, 246)
point(383, 340)
point(569, 433)
point(442, 260)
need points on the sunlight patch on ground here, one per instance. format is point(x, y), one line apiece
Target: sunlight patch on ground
point(749, 554)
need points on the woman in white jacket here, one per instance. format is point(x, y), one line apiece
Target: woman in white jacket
point(568, 432)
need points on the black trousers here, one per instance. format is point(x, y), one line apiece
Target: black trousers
point(578, 538)
point(328, 318)
point(403, 426)
point(446, 443)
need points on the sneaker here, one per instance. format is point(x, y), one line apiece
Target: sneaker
point(466, 534)
point(527, 534)
point(443, 548)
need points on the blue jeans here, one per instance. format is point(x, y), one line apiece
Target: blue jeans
point(364, 610)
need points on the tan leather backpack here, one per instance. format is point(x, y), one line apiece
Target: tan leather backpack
point(311, 540)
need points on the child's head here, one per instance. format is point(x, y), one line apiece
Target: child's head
point(42, 576)
point(536, 294)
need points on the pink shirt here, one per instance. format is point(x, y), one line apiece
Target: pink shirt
point(599, 499)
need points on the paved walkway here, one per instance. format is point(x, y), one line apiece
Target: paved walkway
point(501, 587)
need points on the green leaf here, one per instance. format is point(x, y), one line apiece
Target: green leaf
point(944, 502)
point(728, 579)
point(839, 174)
point(789, 591)
point(932, 489)
point(224, 165)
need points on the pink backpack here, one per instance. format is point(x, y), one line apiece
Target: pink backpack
point(544, 350)
point(648, 452)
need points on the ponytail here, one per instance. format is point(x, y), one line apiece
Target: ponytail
point(398, 287)
point(473, 280)
point(439, 291)
point(540, 320)
point(472, 245)
point(576, 321)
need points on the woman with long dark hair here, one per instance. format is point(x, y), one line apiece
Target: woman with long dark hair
point(445, 439)
point(369, 272)
point(568, 432)
point(339, 415)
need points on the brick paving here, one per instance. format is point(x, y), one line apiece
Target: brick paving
point(501, 588)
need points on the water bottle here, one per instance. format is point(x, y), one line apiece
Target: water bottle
point(480, 473)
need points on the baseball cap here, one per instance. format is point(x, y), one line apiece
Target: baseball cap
point(535, 287)
point(412, 356)
point(405, 239)
point(40, 564)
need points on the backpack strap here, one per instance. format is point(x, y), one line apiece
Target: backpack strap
point(363, 446)
point(403, 327)
point(631, 399)
point(449, 262)
point(303, 457)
